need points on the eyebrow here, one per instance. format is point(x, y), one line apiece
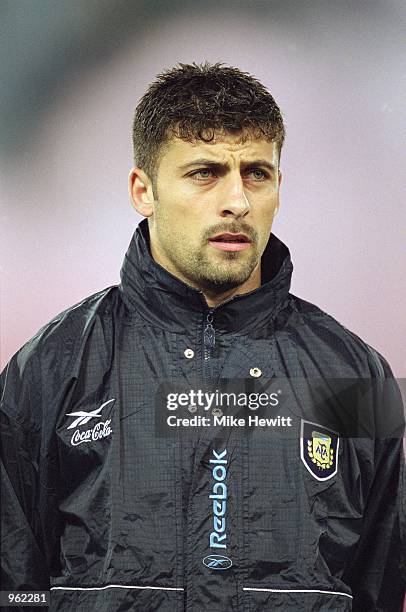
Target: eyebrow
point(221, 166)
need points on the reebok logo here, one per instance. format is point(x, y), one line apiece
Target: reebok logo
point(100, 430)
point(218, 536)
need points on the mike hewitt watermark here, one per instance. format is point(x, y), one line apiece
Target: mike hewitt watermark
point(226, 420)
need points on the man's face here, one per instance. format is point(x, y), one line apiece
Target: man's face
point(215, 203)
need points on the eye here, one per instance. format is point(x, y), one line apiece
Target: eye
point(258, 174)
point(202, 174)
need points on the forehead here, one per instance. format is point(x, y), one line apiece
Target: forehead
point(223, 148)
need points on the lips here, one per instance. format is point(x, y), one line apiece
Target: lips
point(230, 242)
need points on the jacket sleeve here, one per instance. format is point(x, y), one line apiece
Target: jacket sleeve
point(377, 572)
point(23, 560)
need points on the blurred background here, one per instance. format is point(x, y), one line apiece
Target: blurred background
point(72, 73)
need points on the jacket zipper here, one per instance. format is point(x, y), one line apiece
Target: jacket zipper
point(209, 340)
point(209, 335)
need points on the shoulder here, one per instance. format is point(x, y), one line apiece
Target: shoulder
point(335, 343)
point(55, 344)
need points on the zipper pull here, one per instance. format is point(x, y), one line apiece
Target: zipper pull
point(209, 332)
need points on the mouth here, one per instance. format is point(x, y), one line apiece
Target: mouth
point(230, 242)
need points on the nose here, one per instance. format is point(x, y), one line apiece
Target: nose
point(234, 202)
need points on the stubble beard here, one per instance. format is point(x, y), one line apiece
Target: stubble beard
point(218, 273)
point(219, 277)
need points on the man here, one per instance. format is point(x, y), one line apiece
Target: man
point(109, 513)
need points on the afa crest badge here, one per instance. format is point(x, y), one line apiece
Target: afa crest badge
point(319, 450)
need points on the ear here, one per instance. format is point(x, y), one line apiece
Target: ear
point(279, 178)
point(141, 192)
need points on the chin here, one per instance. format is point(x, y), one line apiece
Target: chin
point(219, 277)
point(220, 284)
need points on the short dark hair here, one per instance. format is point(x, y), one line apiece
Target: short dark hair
point(196, 102)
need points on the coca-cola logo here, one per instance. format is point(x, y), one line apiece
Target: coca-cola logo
point(99, 431)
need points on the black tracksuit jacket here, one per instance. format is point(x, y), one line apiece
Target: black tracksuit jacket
point(111, 515)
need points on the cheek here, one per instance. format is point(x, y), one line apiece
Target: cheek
point(177, 221)
point(264, 224)
point(265, 211)
point(181, 202)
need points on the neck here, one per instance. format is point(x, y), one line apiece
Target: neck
point(159, 297)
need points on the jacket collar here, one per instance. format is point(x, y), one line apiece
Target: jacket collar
point(165, 301)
